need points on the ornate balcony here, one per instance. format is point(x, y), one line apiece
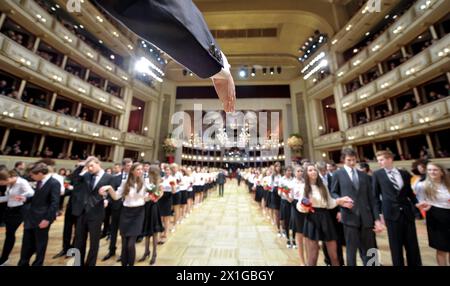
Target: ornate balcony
point(11, 108)
point(53, 72)
point(329, 139)
point(21, 55)
point(39, 14)
point(135, 139)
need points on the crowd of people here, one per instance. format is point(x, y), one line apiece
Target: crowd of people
point(137, 200)
point(316, 202)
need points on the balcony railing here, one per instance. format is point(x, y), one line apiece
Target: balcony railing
point(401, 31)
point(426, 60)
point(329, 139)
point(316, 88)
point(26, 58)
point(17, 110)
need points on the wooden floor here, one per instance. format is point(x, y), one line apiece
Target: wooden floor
point(227, 231)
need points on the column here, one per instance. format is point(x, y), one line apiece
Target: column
point(2, 19)
point(158, 129)
point(389, 103)
point(53, 100)
point(417, 95)
point(434, 35)
point(78, 109)
point(21, 88)
point(374, 147)
point(368, 115)
point(64, 62)
point(86, 76)
point(105, 86)
point(36, 44)
point(399, 147)
point(380, 68)
point(93, 149)
point(5, 139)
point(69, 148)
point(41, 144)
point(430, 145)
point(99, 116)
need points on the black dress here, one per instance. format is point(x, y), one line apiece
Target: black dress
point(152, 219)
point(438, 227)
point(131, 221)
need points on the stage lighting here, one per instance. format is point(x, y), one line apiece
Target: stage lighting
point(253, 72)
point(272, 70)
point(264, 70)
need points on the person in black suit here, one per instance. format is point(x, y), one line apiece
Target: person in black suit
point(331, 168)
point(39, 213)
point(221, 181)
point(395, 189)
point(89, 207)
point(363, 218)
point(116, 207)
point(179, 29)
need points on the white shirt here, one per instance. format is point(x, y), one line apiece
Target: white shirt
point(316, 198)
point(349, 172)
point(298, 186)
point(276, 180)
point(60, 179)
point(20, 188)
point(442, 199)
point(165, 184)
point(397, 176)
point(198, 179)
point(134, 198)
point(288, 183)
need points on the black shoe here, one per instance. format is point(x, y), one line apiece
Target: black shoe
point(144, 257)
point(119, 259)
point(153, 260)
point(108, 256)
point(139, 239)
point(60, 254)
point(108, 237)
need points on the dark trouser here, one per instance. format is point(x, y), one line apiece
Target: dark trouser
point(69, 222)
point(239, 180)
point(107, 221)
point(92, 226)
point(13, 219)
point(221, 190)
point(128, 250)
point(362, 238)
point(2, 211)
point(340, 242)
point(402, 233)
point(114, 228)
point(34, 241)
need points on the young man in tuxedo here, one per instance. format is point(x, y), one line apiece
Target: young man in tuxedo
point(396, 196)
point(362, 219)
point(89, 207)
point(179, 29)
point(221, 181)
point(39, 213)
point(116, 207)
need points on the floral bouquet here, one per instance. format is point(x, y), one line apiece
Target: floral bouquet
point(307, 204)
point(284, 189)
point(172, 183)
point(153, 191)
point(266, 186)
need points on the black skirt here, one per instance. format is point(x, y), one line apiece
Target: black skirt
point(275, 199)
point(297, 218)
point(198, 189)
point(176, 199)
point(319, 226)
point(438, 227)
point(259, 193)
point(191, 195)
point(165, 204)
point(285, 210)
point(184, 197)
point(131, 221)
point(152, 219)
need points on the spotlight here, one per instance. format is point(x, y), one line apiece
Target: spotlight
point(264, 70)
point(253, 72)
point(243, 73)
point(272, 70)
point(191, 74)
point(279, 70)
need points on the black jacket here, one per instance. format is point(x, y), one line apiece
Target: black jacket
point(393, 202)
point(176, 27)
point(43, 205)
point(87, 200)
point(365, 209)
point(221, 178)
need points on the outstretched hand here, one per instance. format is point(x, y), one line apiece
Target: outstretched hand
point(226, 91)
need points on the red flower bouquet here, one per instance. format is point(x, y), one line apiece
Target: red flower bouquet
point(153, 192)
point(307, 204)
point(285, 190)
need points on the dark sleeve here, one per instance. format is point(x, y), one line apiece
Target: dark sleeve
point(54, 194)
point(372, 200)
point(376, 190)
point(335, 187)
point(409, 190)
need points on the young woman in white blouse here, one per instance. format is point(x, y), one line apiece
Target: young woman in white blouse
point(188, 179)
point(176, 198)
point(286, 181)
point(319, 225)
point(169, 187)
point(275, 199)
point(434, 198)
point(298, 218)
point(17, 191)
point(134, 194)
point(267, 183)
